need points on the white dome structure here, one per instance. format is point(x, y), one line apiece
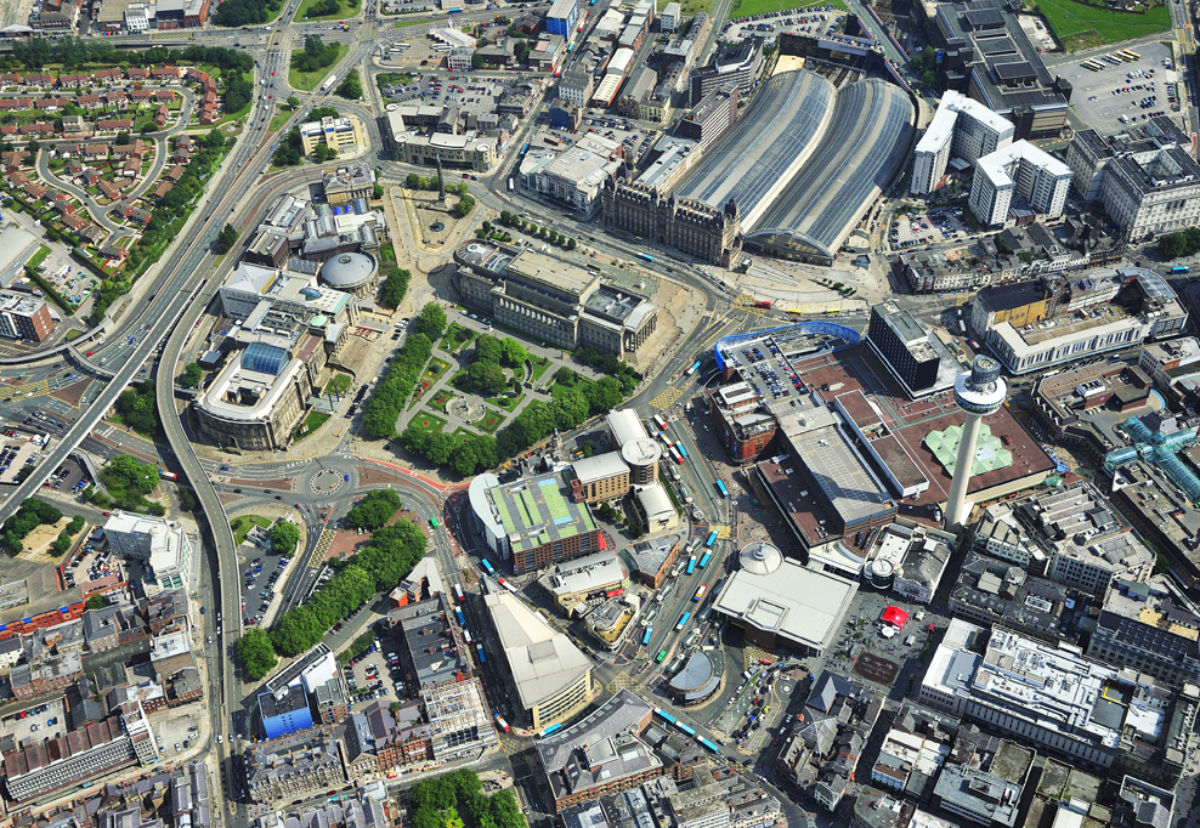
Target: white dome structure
point(760, 558)
point(350, 272)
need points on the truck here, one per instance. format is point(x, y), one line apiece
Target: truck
point(166, 475)
point(329, 83)
point(764, 303)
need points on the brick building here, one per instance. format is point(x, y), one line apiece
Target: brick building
point(706, 233)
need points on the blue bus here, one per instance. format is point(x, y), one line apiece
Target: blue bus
point(646, 637)
point(688, 729)
point(1180, 269)
point(664, 715)
point(683, 619)
point(721, 488)
point(712, 538)
point(487, 566)
point(462, 622)
point(691, 565)
point(707, 745)
point(455, 10)
point(682, 450)
point(524, 149)
point(646, 257)
point(551, 730)
point(482, 657)
point(704, 559)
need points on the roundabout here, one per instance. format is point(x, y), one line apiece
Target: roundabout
point(326, 482)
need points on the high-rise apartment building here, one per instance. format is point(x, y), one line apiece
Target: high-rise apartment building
point(1020, 170)
point(962, 128)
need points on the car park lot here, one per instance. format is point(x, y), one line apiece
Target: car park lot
point(262, 573)
point(813, 20)
point(1116, 96)
point(933, 227)
point(376, 675)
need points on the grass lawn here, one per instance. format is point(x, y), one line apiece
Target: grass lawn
point(566, 379)
point(278, 121)
point(456, 337)
point(230, 117)
point(749, 8)
point(241, 526)
point(338, 385)
point(427, 421)
point(540, 366)
point(312, 422)
point(441, 400)
point(461, 435)
point(37, 258)
point(1083, 25)
point(73, 334)
point(404, 24)
point(345, 9)
point(307, 81)
point(489, 422)
point(506, 402)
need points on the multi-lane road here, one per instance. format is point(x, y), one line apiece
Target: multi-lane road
point(179, 290)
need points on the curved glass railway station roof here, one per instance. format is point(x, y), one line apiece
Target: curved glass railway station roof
point(805, 160)
point(766, 146)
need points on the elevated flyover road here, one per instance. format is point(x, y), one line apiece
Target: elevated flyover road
point(178, 278)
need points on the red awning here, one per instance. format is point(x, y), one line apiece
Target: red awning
point(895, 616)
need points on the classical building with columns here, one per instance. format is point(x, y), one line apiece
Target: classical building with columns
point(552, 300)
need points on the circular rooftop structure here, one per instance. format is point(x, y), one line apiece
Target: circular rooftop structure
point(697, 681)
point(760, 558)
point(642, 456)
point(348, 271)
point(981, 390)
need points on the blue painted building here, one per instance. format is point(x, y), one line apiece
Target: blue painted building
point(285, 712)
point(563, 17)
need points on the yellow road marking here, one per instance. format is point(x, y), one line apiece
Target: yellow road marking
point(323, 543)
point(36, 389)
point(667, 398)
point(746, 302)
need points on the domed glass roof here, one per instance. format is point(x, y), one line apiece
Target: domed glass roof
point(348, 269)
point(760, 558)
point(264, 358)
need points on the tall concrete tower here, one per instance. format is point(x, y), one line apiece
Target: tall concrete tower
point(979, 392)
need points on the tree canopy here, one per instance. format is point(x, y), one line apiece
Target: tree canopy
point(457, 797)
point(351, 87)
point(393, 391)
point(226, 239)
point(126, 473)
point(374, 510)
point(192, 375)
point(431, 321)
point(1184, 243)
point(285, 535)
point(395, 287)
point(33, 513)
point(391, 554)
point(255, 653)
